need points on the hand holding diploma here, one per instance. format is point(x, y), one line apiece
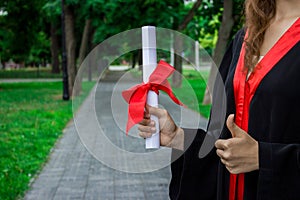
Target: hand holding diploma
point(155, 79)
point(170, 134)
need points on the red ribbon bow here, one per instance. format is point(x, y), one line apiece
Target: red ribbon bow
point(136, 96)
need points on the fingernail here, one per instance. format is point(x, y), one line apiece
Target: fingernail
point(153, 129)
point(152, 123)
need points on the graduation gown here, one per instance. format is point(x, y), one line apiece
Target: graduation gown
point(272, 118)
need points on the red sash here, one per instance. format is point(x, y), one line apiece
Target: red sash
point(245, 89)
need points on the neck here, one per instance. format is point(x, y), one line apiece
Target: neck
point(287, 9)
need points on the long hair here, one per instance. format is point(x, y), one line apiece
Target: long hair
point(259, 14)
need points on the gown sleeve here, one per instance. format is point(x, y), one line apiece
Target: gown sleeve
point(193, 176)
point(279, 171)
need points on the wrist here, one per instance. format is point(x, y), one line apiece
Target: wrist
point(177, 141)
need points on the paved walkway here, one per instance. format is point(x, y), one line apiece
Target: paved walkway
point(73, 173)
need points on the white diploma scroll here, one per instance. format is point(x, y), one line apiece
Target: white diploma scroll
point(149, 64)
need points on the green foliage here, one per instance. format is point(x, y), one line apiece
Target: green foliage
point(121, 15)
point(39, 51)
point(205, 24)
point(23, 23)
point(52, 10)
point(32, 116)
point(24, 31)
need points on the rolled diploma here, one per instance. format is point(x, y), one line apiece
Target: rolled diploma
point(149, 64)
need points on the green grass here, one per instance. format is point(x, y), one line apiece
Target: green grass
point(32, 117)
point(29, 73)
point(192, 91)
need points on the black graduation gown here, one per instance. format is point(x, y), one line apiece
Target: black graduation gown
point(274, 121)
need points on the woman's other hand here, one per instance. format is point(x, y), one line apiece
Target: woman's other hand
point(240, 153)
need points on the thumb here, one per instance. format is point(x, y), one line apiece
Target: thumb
point(233, 128)
point(158, 112)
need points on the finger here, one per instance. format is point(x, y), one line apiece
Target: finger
point(146, 115)
point(156, 111)
point(220, 153)
point(224, 162)
point(231, 125)
point(229, 166)
point(229, 169)
point(147, 129)
point(221, 144)
point(233, 128)
point(233, 170)
point(224, 155)
point(145, 135)
point(145, 122)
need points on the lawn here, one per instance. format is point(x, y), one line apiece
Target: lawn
point(194, 85)
point(29, 73)
point(32, 117)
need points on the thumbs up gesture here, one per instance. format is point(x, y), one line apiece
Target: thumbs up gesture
point(240, 153)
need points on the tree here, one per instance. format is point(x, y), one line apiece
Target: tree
point(225, 33)
point(39, 52)
point(177, 77)
point(52, 12)
point(135, 14)
point(85, 40)
point(138, 13)
point(19, 32)
point(70, 46)
point(54, 49)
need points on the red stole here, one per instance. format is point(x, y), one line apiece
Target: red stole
point(245, 89)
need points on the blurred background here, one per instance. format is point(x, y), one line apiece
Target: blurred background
point(42, 45)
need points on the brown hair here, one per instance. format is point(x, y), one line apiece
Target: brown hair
point(259, 14)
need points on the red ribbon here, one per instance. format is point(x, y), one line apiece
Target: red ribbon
point(136, 96)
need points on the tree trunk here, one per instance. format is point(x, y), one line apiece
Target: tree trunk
point(133, 59)
point(70, 47)
point(90, 46)
point(140, 59)
point(82, 54)
point(54, 49)
point(177, 78)
point(85, 40)
point(189, 16)
point(223, 37)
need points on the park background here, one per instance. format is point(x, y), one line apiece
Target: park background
point(33, 36)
